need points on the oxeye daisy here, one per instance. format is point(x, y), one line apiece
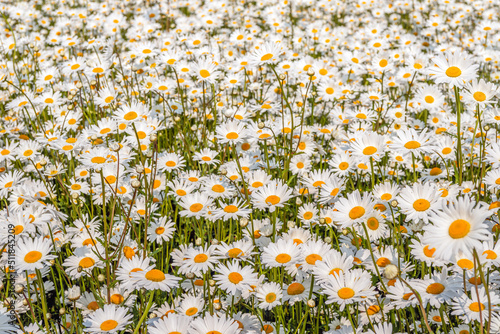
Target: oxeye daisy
point(153, 279)
point(269, 295)
point(348, 288)
point(234, 210)
point(161, 230)
point(210, 324)
point(271, 196)
point(109, 319)
point(206, 157)
point(282, 253)
point(419, 201)
point(238, 250)
point(410, 141)
point(235, 278)
point(267, 53)
point(458, 226)
point(480, 93)
point(370, 145)
point(200, 259)
point(439, 289)
point(33, 254)
point(455, 69)
point(171, 323)
point(82, 262)
point(206, 70)
point(195, 205)
point(191, 306)
point(313, 251)
point(353, 209)
point(297, 291)
point(231, 132)
point(477, 307)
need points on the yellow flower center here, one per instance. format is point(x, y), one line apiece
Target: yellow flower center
point(453, 72)
point(345, 293)
point(356, 212)
point(459, 229)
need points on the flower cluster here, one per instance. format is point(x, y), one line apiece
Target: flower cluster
point(249, 167)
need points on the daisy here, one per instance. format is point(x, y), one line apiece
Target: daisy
point(297, 291)
point(268, 53)
point(161, 231)
point(33, 254)
point(230, 132)
point(439, 289)
point(172, 323)
point(195, 205)
point(235, 278)
point(109, 319)
point(238, 250)
point(271, 196)
point(458, 226)
point(455, 69)
point(475, 308)
point(348, 288)
point(191, 306)
point(200, 259)
point(353, 209)
point(232, 211)
point(152, 279)
point(206, 70)
point(410, 141)
point(333, 263)
point(419, 201)
point(269, 295)
point(214, 324)
point(282, 253)
point(480, 93)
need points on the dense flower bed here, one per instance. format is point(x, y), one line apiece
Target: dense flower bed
point(225, 167)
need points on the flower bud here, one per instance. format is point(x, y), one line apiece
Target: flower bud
point(19, 288)
point(391, 271)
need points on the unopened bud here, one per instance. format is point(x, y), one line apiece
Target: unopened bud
point(153, 137)
point(115, 147)
point(189, 275)
point(101, 278)
point(261, 125)
point(345, 231)
point(139, 169)
point(391, 271)
point(62, 311)
point(198, 241)
point(19, 288)
point(243, 222)
point(211, 282)
point(217, 306)
point(135, 184)
point(394, 203)
point(223, 171)
point(75, 195)
point(215, 242)
point(311, 303)
point(152, 315)
point(282, 76)
point(290, 224)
